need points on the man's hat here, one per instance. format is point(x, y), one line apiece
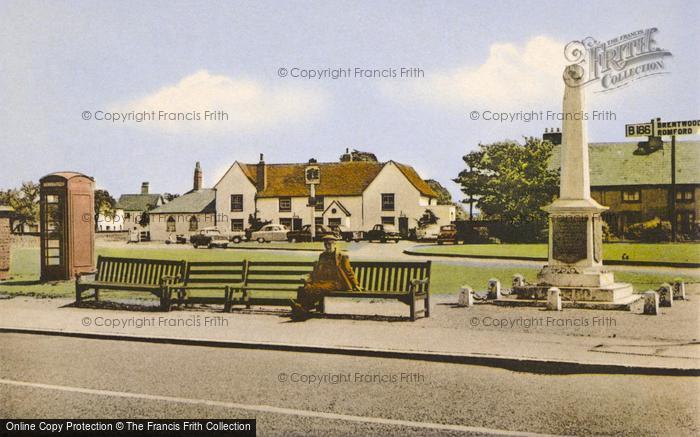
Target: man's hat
point(329, 237)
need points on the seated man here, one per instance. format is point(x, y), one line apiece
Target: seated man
point(332, 272)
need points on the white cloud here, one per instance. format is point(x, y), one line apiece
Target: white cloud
point(250, 105)
point(511, 77)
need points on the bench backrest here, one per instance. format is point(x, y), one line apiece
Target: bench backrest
point(215, 274)
point(390, 276)
point(137, 271)
point(277, 275)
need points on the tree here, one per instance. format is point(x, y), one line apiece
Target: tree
point(104, 203)
point(428, 218)
point(471, 179)
point(357, 155)
point(25, 202)
point(444, 197)
point(169, 197)
point(511, 182)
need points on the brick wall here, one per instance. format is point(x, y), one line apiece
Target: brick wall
point(4, 248)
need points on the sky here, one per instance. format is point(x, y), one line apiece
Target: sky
point(59, 59)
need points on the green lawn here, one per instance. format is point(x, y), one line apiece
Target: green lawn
point(668, 252)
point(447, 278)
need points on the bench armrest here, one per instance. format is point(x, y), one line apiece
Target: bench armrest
point(170, 280)
point(79, 276)
point(415, 283)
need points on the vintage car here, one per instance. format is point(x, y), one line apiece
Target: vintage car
point(304, 234)
point(448, 234)
point(383, 233)
point(237, 236)
point(209, 237)
point(345, 234)
point(271, 232)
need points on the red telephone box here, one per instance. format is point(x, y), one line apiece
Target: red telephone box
point(67, 225)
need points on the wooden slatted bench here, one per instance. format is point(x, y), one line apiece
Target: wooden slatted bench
point(407, 282)
point(272, 282)
point(275, 283)
point(131, 274)
point(206, 277)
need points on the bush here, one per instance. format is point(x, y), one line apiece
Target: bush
point(651, 231)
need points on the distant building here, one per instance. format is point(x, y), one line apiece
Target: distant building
point(135, 205)
point(633, 179)
point(186, 214)
point(111, 223)
point(354, 194)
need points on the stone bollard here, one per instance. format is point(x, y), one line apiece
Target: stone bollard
point(5, 215)
point(554, 299)
point(678, 289)
point(518, 280)
point(466, 297)
point(494, 288)
point(665, 295)
point(651, 303)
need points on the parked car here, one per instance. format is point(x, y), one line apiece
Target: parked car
point(346, 235)
point(209, 237)
point(177, 239)
point(448, 234)
point(271, 232)
point(304, 234)
point(383, 233)
point(237, 236)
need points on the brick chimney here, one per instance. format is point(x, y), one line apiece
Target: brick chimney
point(261, 175)
point(552, 136)
point(197, 177)
point(144, 187)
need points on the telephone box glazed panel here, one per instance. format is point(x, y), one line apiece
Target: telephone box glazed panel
point(67, 225)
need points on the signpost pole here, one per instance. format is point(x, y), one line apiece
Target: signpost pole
point(312, 194)
point(674, 224)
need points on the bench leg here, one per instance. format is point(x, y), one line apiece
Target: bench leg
point(165, 298)
point(78, 295)
point(97, 294)
point(322, 305)
point(227, 299)
point(246, 299)
point(413, 306)
point(427, 304)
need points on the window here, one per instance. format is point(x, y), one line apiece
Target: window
point(236, 202)
point(318, 220)
point(387, 201)
point(319, 203)
point(286, 222)
point(334, 221)
point(285, 204)
point(236, 224)
point(631, 196)
point(388, 220)
point(194, 224)
point(685, 194)
point(170, 224)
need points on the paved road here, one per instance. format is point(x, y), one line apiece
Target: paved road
point(65, 377)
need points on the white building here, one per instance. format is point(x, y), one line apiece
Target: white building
point(111, 223)
point(354, 194)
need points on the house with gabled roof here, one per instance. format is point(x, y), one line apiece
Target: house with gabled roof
point(132, 207)
point(187, 214)
point(354, 194)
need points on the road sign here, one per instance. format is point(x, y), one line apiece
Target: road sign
point(658, 128)
point(639, 130)
point(677, 128)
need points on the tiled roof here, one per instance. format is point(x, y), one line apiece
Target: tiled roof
point(137, 202)
point(201, 201)
point(616, 164)
point(337, 178)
